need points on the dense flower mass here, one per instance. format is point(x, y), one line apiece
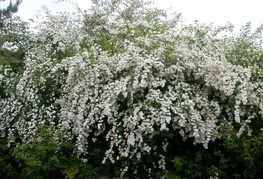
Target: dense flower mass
point(125, 75)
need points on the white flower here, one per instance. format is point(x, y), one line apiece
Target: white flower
point(131, 139)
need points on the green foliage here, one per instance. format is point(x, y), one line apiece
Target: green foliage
point(13, 59)
point(227, 158)
point(241, 157)
point(188, 161)
point(9, 167)
point(45, 157)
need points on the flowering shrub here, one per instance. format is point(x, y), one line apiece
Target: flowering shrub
point(128, 79)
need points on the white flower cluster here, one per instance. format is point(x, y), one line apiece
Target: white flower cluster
point(153, 78)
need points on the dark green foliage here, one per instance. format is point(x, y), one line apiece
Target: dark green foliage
point(242, 157)
point(8, 167)
point(227, 158)
point(186, 160)
point(46, 158)
point(13, 59)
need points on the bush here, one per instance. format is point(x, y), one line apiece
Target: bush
point(132, 93)
point(48, 156)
